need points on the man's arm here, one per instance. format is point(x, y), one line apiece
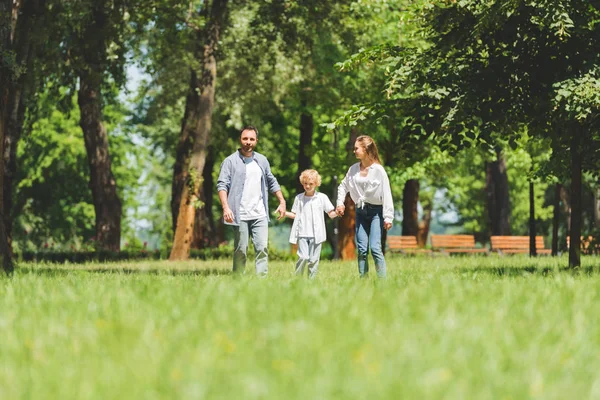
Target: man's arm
point(227, 213)
point(290, 215)
point(281, 208)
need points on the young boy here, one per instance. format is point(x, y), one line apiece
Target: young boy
point(308, 229)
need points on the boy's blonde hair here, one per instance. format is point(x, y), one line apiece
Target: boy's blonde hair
point(310, 174)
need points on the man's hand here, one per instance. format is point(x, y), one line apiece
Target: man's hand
point(387, 226)
point(227, 214)
point(280, 210)
point(340, 210)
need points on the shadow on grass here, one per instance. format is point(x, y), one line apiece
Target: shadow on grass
point(59, 272)
point(532, 270)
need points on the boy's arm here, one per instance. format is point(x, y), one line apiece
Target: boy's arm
point(327, 205)
point(290, 215)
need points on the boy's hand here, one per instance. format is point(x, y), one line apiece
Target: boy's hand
point(340, 210)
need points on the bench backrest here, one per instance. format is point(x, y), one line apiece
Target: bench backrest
point(585, 242)
point(402, 242)
point(452, 241)
point(515, 242)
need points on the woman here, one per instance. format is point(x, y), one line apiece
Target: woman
point(369, 187)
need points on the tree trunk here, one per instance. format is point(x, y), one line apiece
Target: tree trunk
point(410, 212)
point(196, 127)
point(556, 219)
point(5, 253)
point(182, 157)
point(532, 230)
point(205, 230)
point(575, 238)
point(14, 127)
point(347, 226)
point(6, 83)
point(306, 136)
point(102, 181)
point(566, 200)
point(498, 201)
point(25, 27)
point(597, 206)
point(425, 224)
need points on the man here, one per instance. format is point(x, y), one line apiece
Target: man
point(243, 182)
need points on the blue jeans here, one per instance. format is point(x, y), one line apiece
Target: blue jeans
point(369, 226)
point(259, 229)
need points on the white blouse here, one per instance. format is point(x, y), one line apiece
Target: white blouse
point(373, 189)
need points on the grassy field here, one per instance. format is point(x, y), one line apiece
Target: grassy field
point(447, 328)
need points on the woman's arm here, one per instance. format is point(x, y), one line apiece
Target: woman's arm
point(343, 190)
point(388, 203)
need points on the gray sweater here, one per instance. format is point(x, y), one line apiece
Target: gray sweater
point(232, 178)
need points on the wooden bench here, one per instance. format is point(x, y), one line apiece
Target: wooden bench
point(589, 245)
point(455, 244)
point(405, 245)
point(517, 244)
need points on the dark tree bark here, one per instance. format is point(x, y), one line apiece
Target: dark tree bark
point(205, 229)
point(556, 219)
point(195, 131)
point(410, 212)
point(532, 227)
point(102, 181)
point(24, 41)
point(576, 170)
point(5, 253)
point(347, 223)
point(498, 201)
point(597, 206)
point(306, 137)
point(6, 84)
point(566, 201)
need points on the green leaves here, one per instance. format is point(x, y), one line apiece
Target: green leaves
point(578, 98)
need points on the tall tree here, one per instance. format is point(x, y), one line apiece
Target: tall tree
point(196, 127)
point(7, 76)
point(26, 28)
point(92, 48)
point(498, 200)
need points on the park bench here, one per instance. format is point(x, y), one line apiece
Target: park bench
point(405, 245)
point(589, 245)
point(455, 244)
point(517, 244)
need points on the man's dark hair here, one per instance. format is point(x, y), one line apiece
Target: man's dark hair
point(249, 128)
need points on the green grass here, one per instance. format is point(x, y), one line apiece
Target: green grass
point(443, 327)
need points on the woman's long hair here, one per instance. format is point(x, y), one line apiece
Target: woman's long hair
point(367, 143)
